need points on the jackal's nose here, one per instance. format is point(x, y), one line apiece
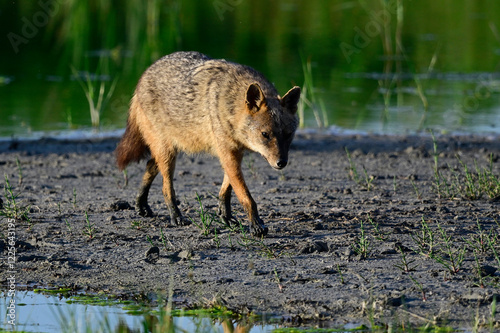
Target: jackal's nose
point(281, 163)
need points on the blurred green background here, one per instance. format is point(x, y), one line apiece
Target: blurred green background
point(391, 66)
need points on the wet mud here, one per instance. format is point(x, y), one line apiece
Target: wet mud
point(382, 227)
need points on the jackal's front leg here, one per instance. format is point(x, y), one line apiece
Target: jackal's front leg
point(142, 206)
point(233, 179)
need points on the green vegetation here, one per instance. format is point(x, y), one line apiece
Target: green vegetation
point(157, 318)
point(231, 235)
point(160, 317)
point(74, 198)
point(366, 180)
point(19, 171)
point(435, 243)
point(207, 218)
point(362, 244)
point(54, 291)
point(405, 265)
point(449, 255)
point(396, 328)
point(309, 98)
point(97, 96)
point(462, 182)
point(424, 239)
point(136, 224)
point(11, 207)
point(376, 228)
point(89, 229)
point(339, 45)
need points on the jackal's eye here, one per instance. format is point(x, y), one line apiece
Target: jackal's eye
point(265, 135)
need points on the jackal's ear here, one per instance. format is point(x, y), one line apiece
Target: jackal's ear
point(291, 98)
point(255, 98)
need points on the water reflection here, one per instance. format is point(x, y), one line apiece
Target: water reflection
point(41, 313)
point(394, 65)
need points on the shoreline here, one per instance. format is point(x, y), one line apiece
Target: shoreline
point(116, 133)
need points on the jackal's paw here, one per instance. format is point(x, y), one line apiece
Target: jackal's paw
point(258, 229)
point(179, 221)
point(144, 210)
point(225, 216)
point(229, 221)
point(176, 218)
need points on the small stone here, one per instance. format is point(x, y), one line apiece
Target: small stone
point(185, 254)
point(348, 253)
point(398, 246)
point(120, 205)
point(487, 270)
point(316, 246)
point(328, 270)
point(319, 226)
point(396, 301)
point(442, 210)
point(152, 255)
point(388, 250)
point(224, 280)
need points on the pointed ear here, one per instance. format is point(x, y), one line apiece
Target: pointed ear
point(291, 98)
point(255, 98)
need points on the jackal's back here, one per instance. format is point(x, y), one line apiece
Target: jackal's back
point(184, 95)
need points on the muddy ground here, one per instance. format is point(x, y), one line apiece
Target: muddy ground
point(308, 267)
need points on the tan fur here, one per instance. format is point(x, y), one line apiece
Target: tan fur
point(191, 103)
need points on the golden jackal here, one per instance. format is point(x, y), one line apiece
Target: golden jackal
point(189, 102)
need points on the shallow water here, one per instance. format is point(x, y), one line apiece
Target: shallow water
point(47, 313)
point(382, 66)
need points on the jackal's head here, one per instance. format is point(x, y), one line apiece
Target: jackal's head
point(271, 124)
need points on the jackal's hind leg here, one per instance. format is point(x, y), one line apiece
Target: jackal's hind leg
point(167, 167)
point(142, 207)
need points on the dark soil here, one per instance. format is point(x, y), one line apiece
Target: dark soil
point(308, 267)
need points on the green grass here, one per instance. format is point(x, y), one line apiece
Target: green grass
point(449, 255)
point(362, 244)
point(207, 219)
point(415, 189)
point(136, 224)
point(478, 272)
point(395, 328)
point(54, 291)
point(406, 264)
point(427, 239)
point(235, 234)
point(19, 171)
point(365, 181)
point(11, 207)
point(90, 228)
point(74, 198)
point(433, 241)
point(478, 241)
point(309, 98)
point(157, 318)
point(97, 94)
point(464, 182)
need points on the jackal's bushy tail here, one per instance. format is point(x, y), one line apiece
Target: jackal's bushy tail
point(132, 146)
